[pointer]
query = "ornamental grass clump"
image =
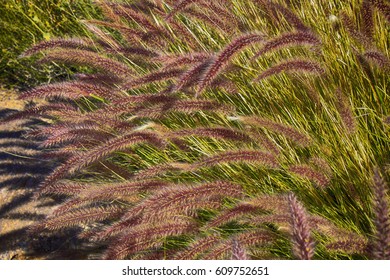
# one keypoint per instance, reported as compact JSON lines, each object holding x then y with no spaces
{"x":186,"y":139}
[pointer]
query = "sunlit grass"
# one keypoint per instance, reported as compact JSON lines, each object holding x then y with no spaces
{"x":25,"y":23}
{"x":341,"y":111}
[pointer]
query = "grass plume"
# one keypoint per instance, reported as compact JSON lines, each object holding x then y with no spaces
{"x":303,"y":246}
{"x":223,"y":57}
{"x":292,"y":65}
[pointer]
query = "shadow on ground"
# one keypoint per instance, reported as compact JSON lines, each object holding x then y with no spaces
{"x":22,"y":169}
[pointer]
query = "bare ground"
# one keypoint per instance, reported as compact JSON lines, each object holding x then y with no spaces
{"x":21,"y":170}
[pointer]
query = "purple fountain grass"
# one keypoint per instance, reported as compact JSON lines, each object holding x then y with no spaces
{"x":170,"y":61}
{"x":283,"y":221}
{"x":197,"y":247}
{"x":39,"y":111}
{"x":158,"y":4}
{"x":157,"y":76}
{"x":132,"y":15}
{"x":383,"y":7}
{"x":108,"y":80}
{"x":159,"y":254}
{"x":73,"y":43}
{"x":267,"y":9}
{"x":313,"y":95}
{"x":181,"y":58}
{"x":80,"y":160}
{"x":57,"y":174}
{"x":288,"y":39}
{"x":352,"y":30}
{"x":223,"y":57}
{"x":378,"y":58}
{"x":141,"y":52}
{"x":117,"y":144}
{"x":182,"y":198}
{"x":135,"y":249}
{"x":183,"y":209}
{"x":185,"y":106}
{"x":66,"y":188}
{"x":114,"y":229}
{"x":321,"y":165}
{"x":381,"y":241}
{"x":236,"y":212}
{"x":303,"y":244}
{"x":350,"y":244}
{"x":213,"y":132}
{"x":181,"y":32}
{"x":238,"y":252}
{"x":76,"y":134}
{"x":84,"y":128}
{"x":133,"y":119}
{"x":289,"y":132}
{"x":130,"y":241}
{"x":108,"y":11}
{"x":157,"y":170}
{"x":280,"y":220}
{"x":363,"y":63}
{"x":68,"y":206}
{"x":193,"y":75}
{"x":102,"y":117}
{"x":345,"y":111}
{"x":103,"y":36}
{"x":98,"y":192}
{"x":368,"y":19}
{"x":90,"y":59}
{"x":264,"y":141}
{"x":81,"y":203}
{"x":61,"y":154}
{"x":153,"y":98}
{"x":272,"y":203}
{"x":130,"y":35}
{"x":88,"y":215}
{"x":146,"y":6}
{"x":185,"y":196}
{"x":308,"y":172}
{"x":252,"y":156}
{"x":212,"y":21}
{"x":293,"y":65}
{"x":246,"y":239}
{"x":115,"y":168}
{"x":179,"y":6}
{"x":222,"y":10}
{"x":224,"y":84}
{"x":289,"y":15}
{"x":72,"y":90}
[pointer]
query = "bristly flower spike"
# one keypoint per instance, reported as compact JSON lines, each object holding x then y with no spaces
{"x":308,"y":172}
{"x":381,"y":242}
{"x":296,"y":65}
{"x":288,"y":39}
{"x":303,"y":244}
{"x":225,"y":55}
{"x":345,"y":112}
{"x":238,"y":252}
{"x":72,"y":43}
{"x":180,"y":5}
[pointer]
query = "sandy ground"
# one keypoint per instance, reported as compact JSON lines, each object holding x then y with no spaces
{"x":18,"y":178}
{"x":21,"y":171}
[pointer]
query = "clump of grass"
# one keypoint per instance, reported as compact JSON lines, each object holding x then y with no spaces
{"x":280,"y":163}
{"x":26,"y":23}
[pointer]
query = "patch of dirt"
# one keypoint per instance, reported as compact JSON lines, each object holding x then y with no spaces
{"x":9,"y":100}
{"x":22,"y":169}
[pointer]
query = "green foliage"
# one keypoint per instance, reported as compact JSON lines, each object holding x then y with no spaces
{"x":25,"y":23}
